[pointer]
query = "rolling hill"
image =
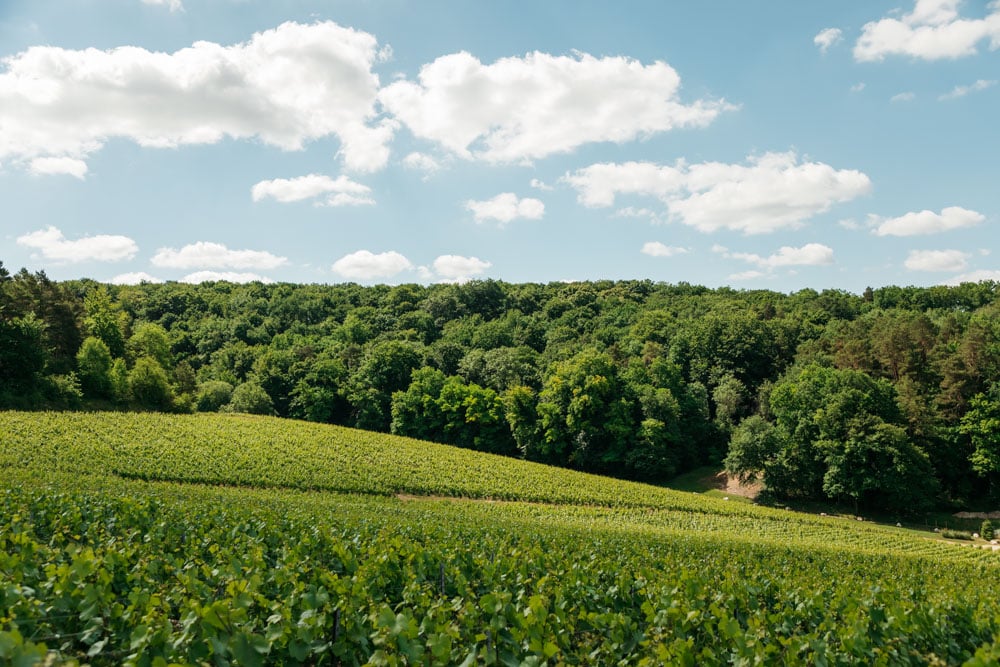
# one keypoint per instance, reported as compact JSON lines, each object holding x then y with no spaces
{"x":228,"y":539}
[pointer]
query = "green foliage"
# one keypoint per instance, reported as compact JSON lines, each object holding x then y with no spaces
{"x":22,"y":352}
{"x":148,"y":385}
{"x":213,"y":395}
{"x":386,"y":369}
{"x":150,"y":340}
{"x":982,"y":425}
{"x":615,"y":573}
{"x":956,"y":534}
{"x":756,"y":446}
{"x":250,"y":398}
{"x":837,"y":435}
{"x":105,"y":320}
{"x":94,"y":364}
{"x":62,"y":391}
{"x":685,"y":364}
{"x":586,"y":413}
{"x":986,"y":530}
{"x":450,"y":411}
{"x":118,"y":378}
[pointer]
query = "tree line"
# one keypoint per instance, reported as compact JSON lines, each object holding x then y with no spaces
{"x":888,"y":399}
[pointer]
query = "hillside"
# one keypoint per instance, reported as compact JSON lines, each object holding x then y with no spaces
{"x":884,"y":401}
{"x":258,"y":540}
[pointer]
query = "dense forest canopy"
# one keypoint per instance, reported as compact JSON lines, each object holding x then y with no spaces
{"x":886,"y":400}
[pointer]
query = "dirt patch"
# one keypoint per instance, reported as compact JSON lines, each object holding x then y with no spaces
{"x":731,"y":485}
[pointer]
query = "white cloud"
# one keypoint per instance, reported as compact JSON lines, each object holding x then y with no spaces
{"x":746,"y":275}
{"x":811,"y":254}
{"x":285,"y":86}
{"x":519,"y":109}
{"x":936,"y":260}
{"x":925,"y":222}
{"x":657,"y":249}
{"x":421,"y":162}
{"x":541,"y":185}
{"x":46,"y":166}
{"x":902,"y":97}
{"x":774,"y":191}
{"x":962,"y":91}
{"x":101,"y":248}
{"x":227,"y":276}
{"x":340,"y":192}
{"x":858,"y":87}
{"x":134,"y":278}
{"x":506,"y":207}
{"x":172,"y":5}
{"x":365,"y":265}
{"x":635,"y":212}
{"x":827,"y":38}
{"x":975,"y":277}
{"x":455,"y":268}
{"x":204,"y":254}
{"x":934,"y":30}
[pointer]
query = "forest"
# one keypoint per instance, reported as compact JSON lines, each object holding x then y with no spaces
{"x":886,"y":401}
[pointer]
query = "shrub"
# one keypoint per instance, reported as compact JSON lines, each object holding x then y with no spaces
{"x":987,"y":530}
{"x":251,"y":398}
{"x":148,"y":384}
{"x":956,"y":534}
{"x":214,"y":394}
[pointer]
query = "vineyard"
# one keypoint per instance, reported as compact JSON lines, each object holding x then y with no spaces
{"x":149,"y":539}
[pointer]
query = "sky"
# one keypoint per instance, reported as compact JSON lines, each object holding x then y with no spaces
{"x":780,"y":145}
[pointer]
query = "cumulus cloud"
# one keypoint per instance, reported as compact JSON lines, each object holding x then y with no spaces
{"x":902,"y":97}
{"x":934,"y":30}
{"x":540,"y":185}
{"x":47,"y":166}
{"x":172,"y":5}
{"x":827,"y":38}
{"x":975,"y":277}
{"x":773,"y":191}
{"x":52,"y":245}
{"x":858,"y":87}
{"x":421,"y":162}
{"x":285,"y":87}
{"x":811,"y":254}
{"x":962,"y":91}
{"x":925,"y":222}
{"x":657,"y":249}
{"x":506,"y":207}
{"x":458,"y":269}
{"x":519,"y":109}
{"x":937,"y":260}
{"x":207,"y":255}
{"x":366,"y":265}
{"x":227,"y":276}
{"x":341,"y":191}
{"x":134,"y":278}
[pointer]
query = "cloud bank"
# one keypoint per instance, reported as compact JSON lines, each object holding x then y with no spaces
{"x":771,"y":192}
{"x":285,"y":87}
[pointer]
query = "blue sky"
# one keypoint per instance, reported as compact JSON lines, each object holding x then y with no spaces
{"x":777,"y":145}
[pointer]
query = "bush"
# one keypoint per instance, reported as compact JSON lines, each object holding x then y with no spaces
{"x":956,"y":534}
{"x":987,"y":530}
{"x":148,"y":384}
{"x":214,"y":394}
{"x":63,"y":391}
{"x":251,"y":398}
